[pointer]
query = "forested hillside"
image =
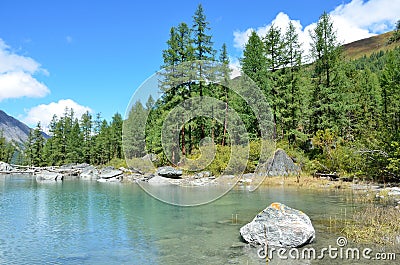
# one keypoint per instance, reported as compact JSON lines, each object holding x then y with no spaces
{"x":335,"y":114}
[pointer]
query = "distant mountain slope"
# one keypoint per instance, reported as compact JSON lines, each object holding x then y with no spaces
{"x":368,"y":46}
{"x":13,"y":129}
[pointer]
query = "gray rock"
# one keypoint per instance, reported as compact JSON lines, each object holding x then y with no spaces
{"x":113,"y":179}
{"x":395,"y":191}
{"x":280,"y":165}
{"x":202,"y":174}
{"x":89,"y":173}
{"x":145,"y":177}
{"x":279,"y":225}
{"x":135,"y":170}
{"x":169,"y":172}
{"x":5,"y":167}
{"x":158,"y":180}
{"x":110,"y":172}
{"x":150,"y":157}
{"x":49,"y":176}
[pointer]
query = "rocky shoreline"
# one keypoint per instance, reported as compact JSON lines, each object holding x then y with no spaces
{"x":163,"y":175}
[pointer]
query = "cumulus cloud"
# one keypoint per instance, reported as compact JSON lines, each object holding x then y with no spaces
{"x":17,"y":75}
{"x":353,"y":21}
{"x":234,"y":65}
{"x":281,"y":21}
{"x":375,"y":16}
{"x":44,"y":113}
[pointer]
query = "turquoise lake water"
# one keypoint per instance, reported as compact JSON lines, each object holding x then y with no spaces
{"x":86,"y":222}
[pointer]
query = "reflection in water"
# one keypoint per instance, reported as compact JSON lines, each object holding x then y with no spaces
{"x":78,"y":222}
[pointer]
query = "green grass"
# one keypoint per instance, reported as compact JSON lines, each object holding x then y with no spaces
{"x":374,"y":224}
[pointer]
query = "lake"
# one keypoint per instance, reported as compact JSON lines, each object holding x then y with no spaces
{"x":86,"y":222}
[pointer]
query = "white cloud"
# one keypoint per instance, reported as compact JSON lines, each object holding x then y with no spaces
{"x":234,"y":65}
{"x":282,"y":21}
{"x":353,"y":21}
{"x":17,"y":75}
{"x":44,"y":113}
{"x":376,"y":16}
{"x":21,"y":84}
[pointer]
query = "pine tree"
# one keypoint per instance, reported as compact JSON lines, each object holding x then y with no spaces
{"x":7,"y":149}
{"x":203,"y":45}
{"x":74,"y":144}
{"x":225,"y":73}
{"x":254,"y":62}
{"x":293,"y":96}
{"x":134,"y":135}
{"x":274,"y":52}
{"x":116,"y":136}
{"x":390,"y":83}
{"x":34,"y":147}
{"x":86,"y":129}
{"x":203,"y":53}
{"x":254,"y":66}
{"x":326,"y":101}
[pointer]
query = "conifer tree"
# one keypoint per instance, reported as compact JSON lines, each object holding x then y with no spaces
{"x":327,"y":111}
{"x":7,"y":149}
{"x":274,"y":53}
{"x":293,"y":97}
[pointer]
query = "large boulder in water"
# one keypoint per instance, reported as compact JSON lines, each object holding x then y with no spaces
{"x":169,"y":172}
{"x":280,"y":165}
{"x":279,"y":225}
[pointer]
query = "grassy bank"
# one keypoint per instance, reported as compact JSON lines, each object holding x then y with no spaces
{"x":305,"y":182}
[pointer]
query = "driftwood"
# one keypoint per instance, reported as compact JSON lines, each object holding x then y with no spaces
{"x":330,"y":176}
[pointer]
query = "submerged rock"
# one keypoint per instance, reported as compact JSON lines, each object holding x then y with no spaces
{"x":279,"y":225}
{"x":169,"y":172}
{"x":49,"y":176}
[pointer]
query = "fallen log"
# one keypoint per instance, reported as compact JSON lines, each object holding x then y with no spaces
{"x":329,"y":176}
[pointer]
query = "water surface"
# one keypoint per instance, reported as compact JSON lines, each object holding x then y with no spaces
{"x":86,"y":222}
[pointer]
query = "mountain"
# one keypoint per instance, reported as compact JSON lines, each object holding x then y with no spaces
{"x":13,"y":129}
{"x":357,"y":49}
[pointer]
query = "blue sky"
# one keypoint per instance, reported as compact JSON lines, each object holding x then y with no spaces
{"x":92,"y":55}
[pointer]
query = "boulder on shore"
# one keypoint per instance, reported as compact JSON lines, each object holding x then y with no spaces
{"x":159,"y":180}
{"x":280,"y":165}
{"x":49,"y":176}
{"x":279,"y":225}
{"x":89,"y":172}
{"x":5,"y":167}
{"x":169,"y":172}
{"x":110,"y":172}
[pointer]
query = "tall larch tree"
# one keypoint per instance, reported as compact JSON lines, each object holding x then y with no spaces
{"x":294,"y":98}
{"x":326,"y":100}
{"x":274,"y":52}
